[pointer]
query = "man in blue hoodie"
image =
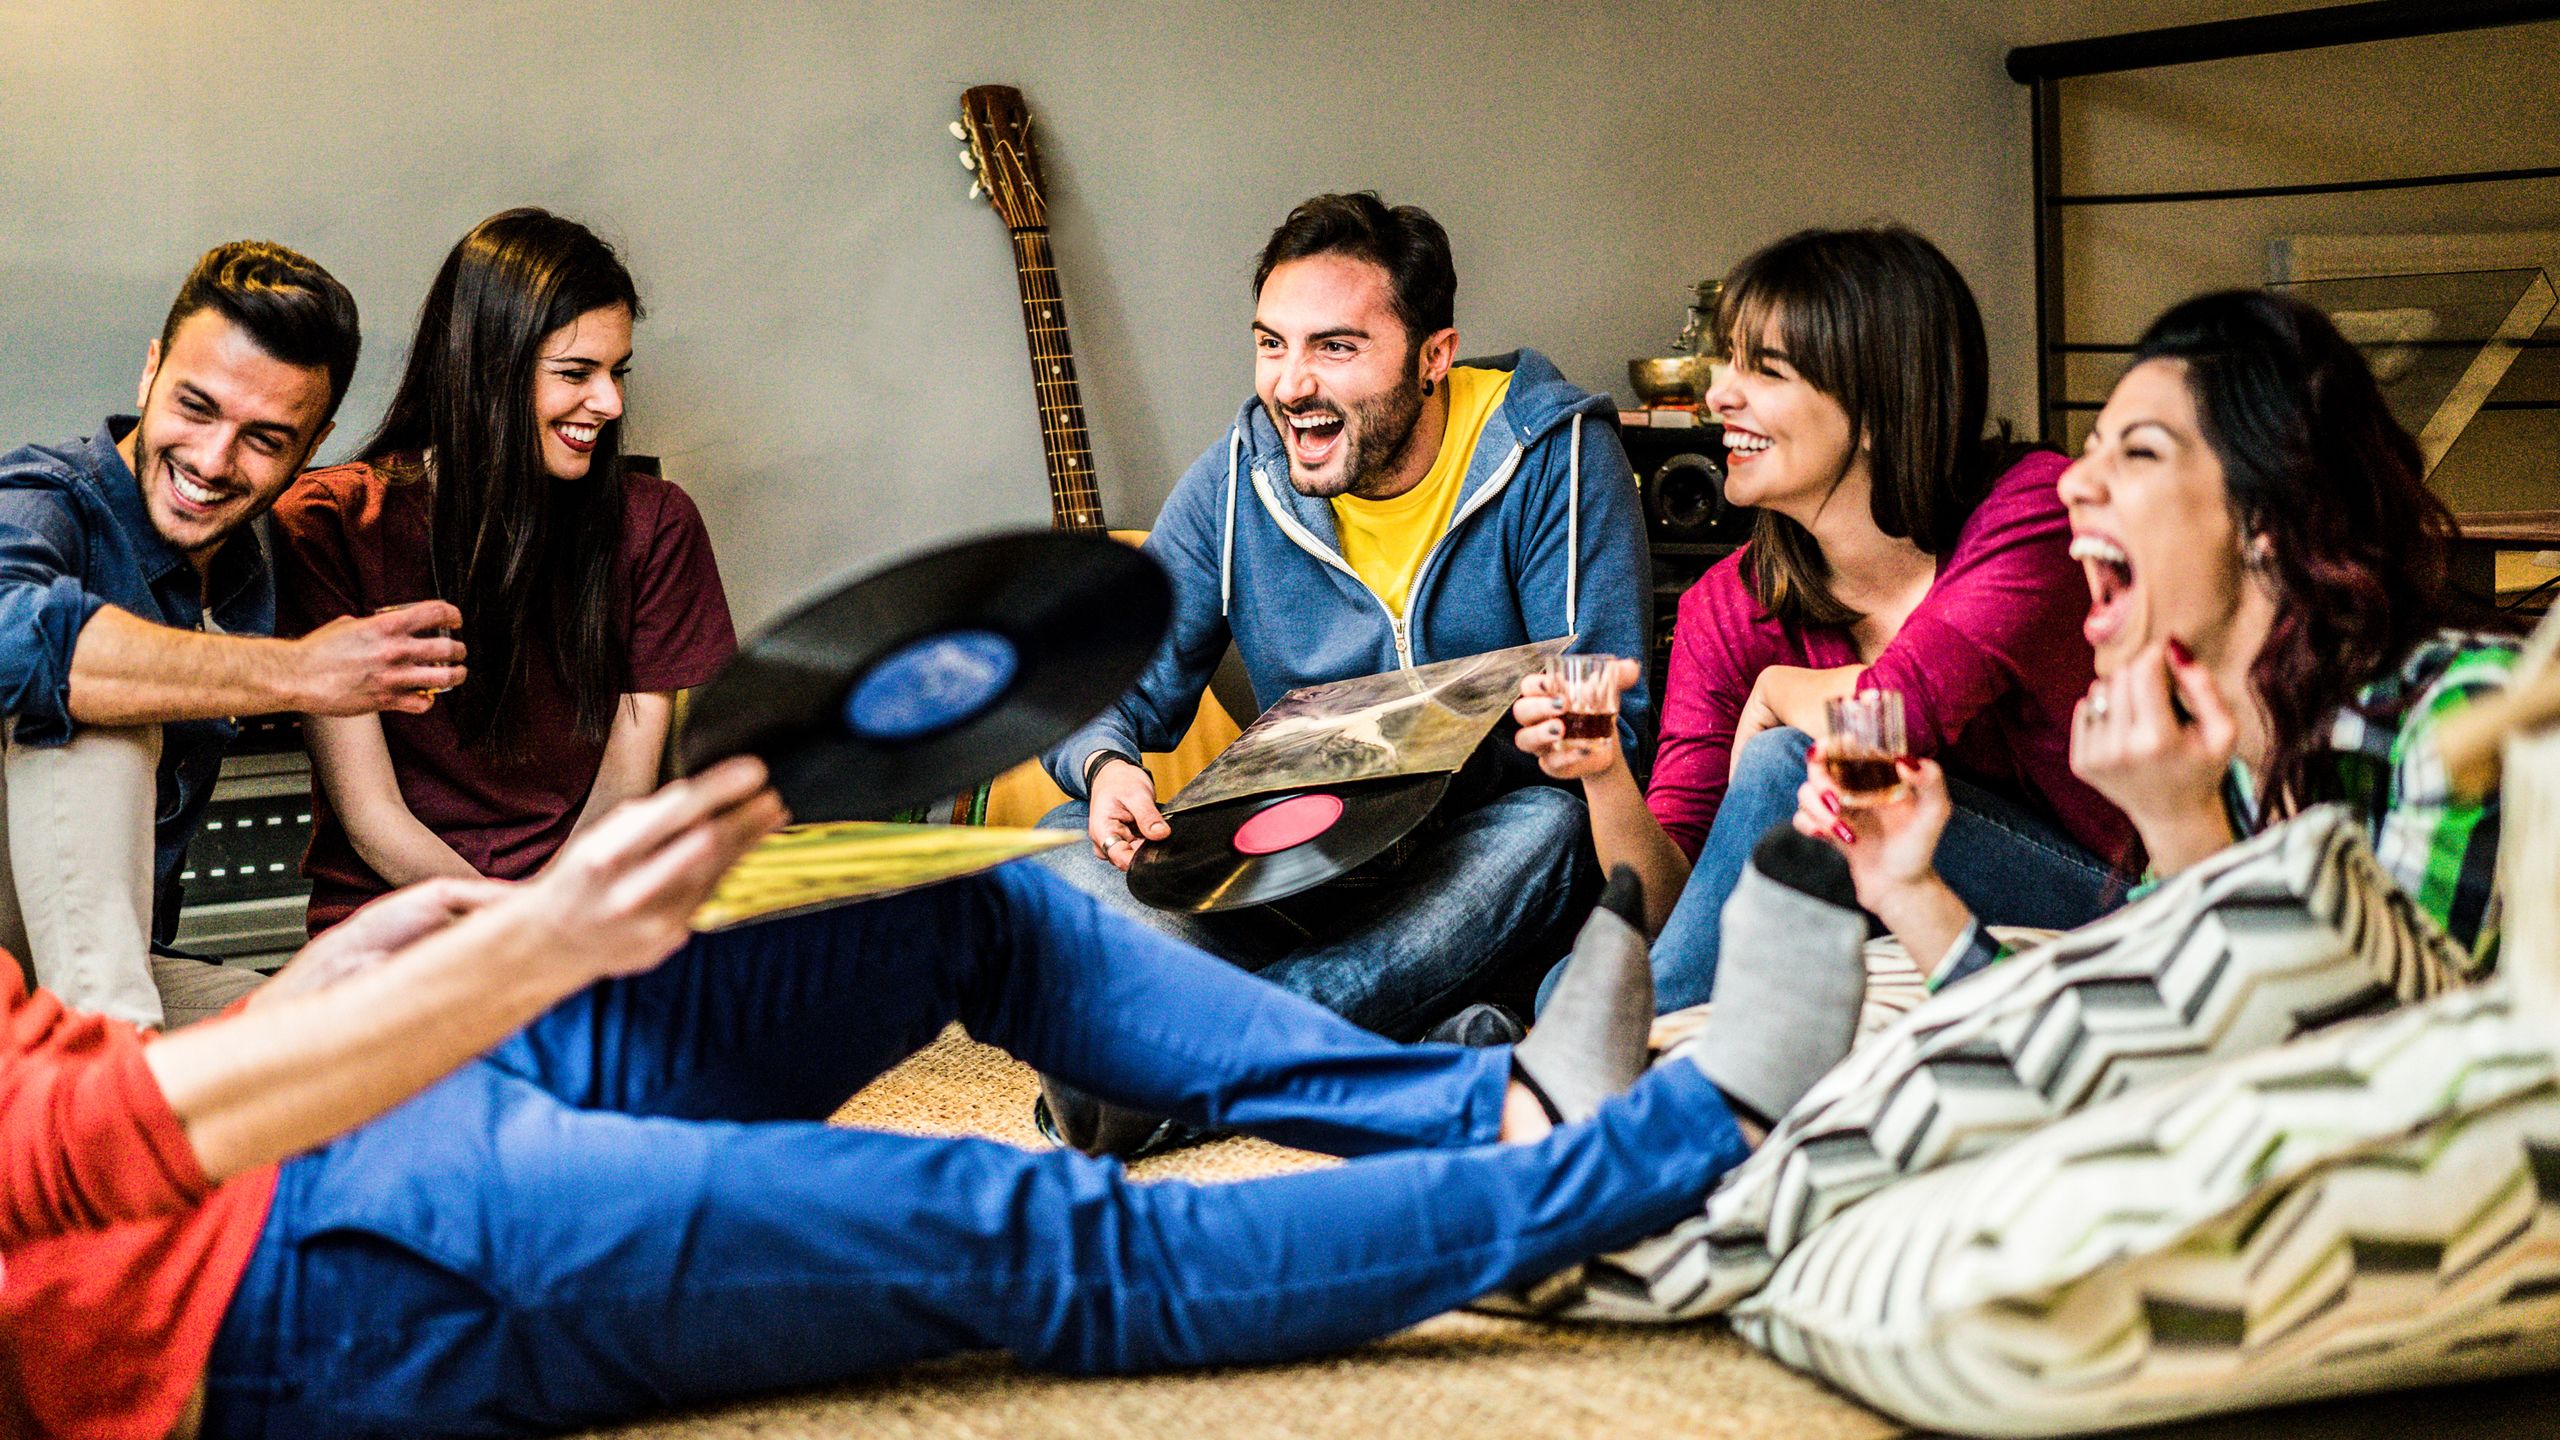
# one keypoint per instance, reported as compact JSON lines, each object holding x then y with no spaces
{"x":1378,"y":505}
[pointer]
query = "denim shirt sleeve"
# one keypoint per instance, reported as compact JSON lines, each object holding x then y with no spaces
{"x":43,"y":607}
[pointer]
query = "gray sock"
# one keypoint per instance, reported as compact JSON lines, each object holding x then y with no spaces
{"x":1589,"y":1042}
{"x":1790,"y":976}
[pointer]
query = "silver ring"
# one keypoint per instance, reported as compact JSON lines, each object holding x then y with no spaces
{"x":2098,"y":705}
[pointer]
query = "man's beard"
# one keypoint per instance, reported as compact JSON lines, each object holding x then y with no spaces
{"x":1377,"y":433}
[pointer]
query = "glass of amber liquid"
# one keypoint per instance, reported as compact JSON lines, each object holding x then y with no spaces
{"x":1866,"y":739}
{"x":1587,"y":687}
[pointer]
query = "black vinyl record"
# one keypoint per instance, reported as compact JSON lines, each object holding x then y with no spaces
{"x":934,"y":674}
{"x":1261,"y":848}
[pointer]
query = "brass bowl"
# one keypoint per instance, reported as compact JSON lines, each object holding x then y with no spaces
{"x":1666,"y":380}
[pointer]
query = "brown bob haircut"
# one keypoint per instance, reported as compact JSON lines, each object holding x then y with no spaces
{"x":1878,"y":319}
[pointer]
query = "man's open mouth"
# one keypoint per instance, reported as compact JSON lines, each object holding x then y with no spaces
{"x":1313,"y":436}
{"x":2111,"y":590}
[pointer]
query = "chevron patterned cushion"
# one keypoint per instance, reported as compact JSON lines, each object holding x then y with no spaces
{"x":2373,"y":1207}
{"x":2288,"y":932}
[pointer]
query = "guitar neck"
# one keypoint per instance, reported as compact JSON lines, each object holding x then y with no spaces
{"x":1075,"y":500}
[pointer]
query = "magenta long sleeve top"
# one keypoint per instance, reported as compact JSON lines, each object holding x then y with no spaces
{"x":1989,"y":667}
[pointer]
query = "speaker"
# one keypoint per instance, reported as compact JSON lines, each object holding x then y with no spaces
{"x":1680,"y":474}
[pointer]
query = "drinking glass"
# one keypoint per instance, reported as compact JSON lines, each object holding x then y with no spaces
{"x":1866,"y":739}
{"x":1587,"y":687}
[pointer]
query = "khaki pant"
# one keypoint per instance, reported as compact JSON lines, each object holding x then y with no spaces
{"x":76,"y":880}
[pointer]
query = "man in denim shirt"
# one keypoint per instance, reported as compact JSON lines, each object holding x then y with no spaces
{"x":136,"y":604}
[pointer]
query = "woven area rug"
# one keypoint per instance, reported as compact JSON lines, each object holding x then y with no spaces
{"x":1459,"y":1375}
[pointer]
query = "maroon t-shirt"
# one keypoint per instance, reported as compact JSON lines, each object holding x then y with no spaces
{"x":353,"y":543}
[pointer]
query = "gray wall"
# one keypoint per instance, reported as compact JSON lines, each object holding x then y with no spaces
{"x":833,"y":363}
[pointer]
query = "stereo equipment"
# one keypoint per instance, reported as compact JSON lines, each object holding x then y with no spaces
{"x":1679,"y":469}
{"x":243,"y":895}
{"x":1680,"y":473}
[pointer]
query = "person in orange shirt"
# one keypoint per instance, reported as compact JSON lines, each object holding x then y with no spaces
{"x":512,"y":1158}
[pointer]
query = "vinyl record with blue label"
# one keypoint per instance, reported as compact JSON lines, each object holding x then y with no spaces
{"x":934,"y":674}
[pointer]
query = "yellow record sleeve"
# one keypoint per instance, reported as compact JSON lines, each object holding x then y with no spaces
{"x":809,"y":867}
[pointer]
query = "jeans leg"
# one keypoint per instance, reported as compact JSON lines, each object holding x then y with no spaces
{"x":785,"y":1019}
{"x":491,"y":1261}
{"x":1494,"y":884}
{"x":1763,"y":793}
{"x":2014,"y":867}
{"x":2011,"y":866}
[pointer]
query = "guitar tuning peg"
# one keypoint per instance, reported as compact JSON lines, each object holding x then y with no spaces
{"x":976,"y":190}
{"x":959,"y":131}
{"x":968,"y":161}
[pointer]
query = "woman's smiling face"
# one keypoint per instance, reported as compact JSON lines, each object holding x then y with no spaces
{"x":1786,"y":443}
{"x":577,"y":387}
{"x":2151,"y":523}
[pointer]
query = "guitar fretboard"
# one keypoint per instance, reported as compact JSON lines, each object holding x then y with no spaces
{"x":1075,"y":500}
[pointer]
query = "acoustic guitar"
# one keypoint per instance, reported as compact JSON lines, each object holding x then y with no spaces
{"x":995,"y":127}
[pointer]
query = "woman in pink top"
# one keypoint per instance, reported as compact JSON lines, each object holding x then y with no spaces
{"x":1893,"y":551}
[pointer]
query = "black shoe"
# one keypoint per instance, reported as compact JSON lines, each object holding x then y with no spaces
{"x":1479,"y":1026}
{"x":1068,"y":1117}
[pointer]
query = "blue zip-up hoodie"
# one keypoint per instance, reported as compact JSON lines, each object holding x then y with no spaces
{"x":1547,"y":539}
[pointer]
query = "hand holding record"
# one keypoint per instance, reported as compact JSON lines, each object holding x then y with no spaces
{"x":1121,"y":812}
{"x":935,"y":673}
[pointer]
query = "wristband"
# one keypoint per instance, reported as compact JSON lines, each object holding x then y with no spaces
{"x":1093,"y":762}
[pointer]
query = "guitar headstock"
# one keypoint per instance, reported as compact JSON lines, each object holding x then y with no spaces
{"x":996,"y":129}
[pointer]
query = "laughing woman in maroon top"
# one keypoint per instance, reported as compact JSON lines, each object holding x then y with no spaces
{"x":588,"y":592}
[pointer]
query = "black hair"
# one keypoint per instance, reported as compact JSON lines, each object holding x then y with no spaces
{"x":295,"y":310}
{"x":1402,"y":240}
{"x":532,"y":562}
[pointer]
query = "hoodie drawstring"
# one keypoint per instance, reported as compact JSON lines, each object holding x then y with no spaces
{"x":1227,"y":553}
{"x":1572,"y":525}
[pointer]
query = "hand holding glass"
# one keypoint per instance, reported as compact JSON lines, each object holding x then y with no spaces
{"x":440,"y":632}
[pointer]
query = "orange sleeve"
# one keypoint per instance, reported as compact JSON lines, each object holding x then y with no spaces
{"x":86,"y":1138}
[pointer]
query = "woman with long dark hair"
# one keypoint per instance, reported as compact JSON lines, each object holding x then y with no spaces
{"x":2274,"y":626}
{"x":588,"y":592}
{"x":1896,"y":548}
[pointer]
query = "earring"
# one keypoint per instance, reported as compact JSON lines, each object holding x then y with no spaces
{"x":1426,"y":387}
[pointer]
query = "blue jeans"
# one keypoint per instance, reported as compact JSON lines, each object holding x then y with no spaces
{"x":1399,"y":951}
{"x":2011,"y":866}
{"x":633,"y":1206}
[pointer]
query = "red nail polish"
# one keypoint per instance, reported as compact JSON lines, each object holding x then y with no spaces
{"x":1831,"y":803}
{"x":1906,"y":765}
{"x":2178,"y":653}
{"x":1847,"y":835}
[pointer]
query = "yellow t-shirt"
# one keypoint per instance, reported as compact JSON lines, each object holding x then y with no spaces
{"x":1385,"y":540}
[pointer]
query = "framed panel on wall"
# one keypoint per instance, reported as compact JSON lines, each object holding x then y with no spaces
{"x":2396,"y":163}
